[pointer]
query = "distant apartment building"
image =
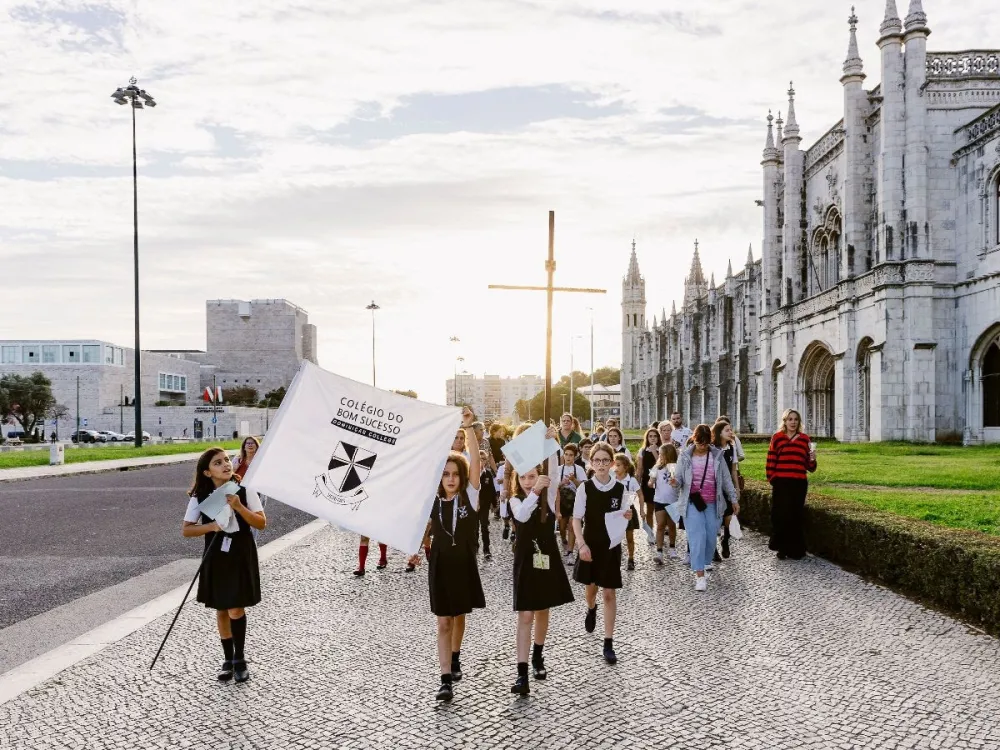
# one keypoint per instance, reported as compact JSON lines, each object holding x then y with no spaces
{"x":492,"y":396}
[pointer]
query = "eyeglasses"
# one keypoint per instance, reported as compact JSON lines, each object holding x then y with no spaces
{"x":601,"y":461}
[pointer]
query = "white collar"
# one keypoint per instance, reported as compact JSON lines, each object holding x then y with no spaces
{"x":604,"y":487}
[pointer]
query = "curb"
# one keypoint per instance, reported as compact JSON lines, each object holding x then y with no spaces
{"x":32,"y":673}
{"x":23,"y":473}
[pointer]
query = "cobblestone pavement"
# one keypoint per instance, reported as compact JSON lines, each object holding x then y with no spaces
{"x":774,"y":655}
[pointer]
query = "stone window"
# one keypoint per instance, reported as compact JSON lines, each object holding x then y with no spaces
{"x":991,"y":386}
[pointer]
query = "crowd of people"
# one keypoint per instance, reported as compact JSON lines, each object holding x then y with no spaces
{"x":556,"y":516}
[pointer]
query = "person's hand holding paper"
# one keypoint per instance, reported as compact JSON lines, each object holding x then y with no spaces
{"x":530,"y":448}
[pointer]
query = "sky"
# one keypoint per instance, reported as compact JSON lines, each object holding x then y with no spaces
{"x":404,"y":152}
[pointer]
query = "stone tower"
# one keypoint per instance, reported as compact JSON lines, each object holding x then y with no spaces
{"x":633,"y":324}
{"x":893,"y":138}
{"x":793,"y":259}
{"x":852,"y":260}
{"x":694,"y":285}
{"x":771,"y":253}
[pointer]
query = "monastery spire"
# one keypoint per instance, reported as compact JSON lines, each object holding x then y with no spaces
{"x":750,"y":255}
{"x":891,"y":23}
{"x":729,"y":270}
{"x":633,"y":277}
{"x":697,"y":275}
{"x":791,"y":127}
{"x":770,"y":152}
{"x":916,"y":19}
{"x":853,"y":65}
{"x":780,"y":123}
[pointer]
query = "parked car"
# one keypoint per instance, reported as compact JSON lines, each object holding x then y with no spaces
{"x":86,"y":436}
{"x":110,"y":436}
{"x":130,"y":436}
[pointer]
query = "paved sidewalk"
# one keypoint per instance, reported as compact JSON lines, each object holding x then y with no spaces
{"x":774,"y":655}
{"x":94,"y":467}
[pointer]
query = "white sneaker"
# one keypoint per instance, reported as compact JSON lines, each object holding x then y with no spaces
{"x":700,"y":583}
{"x":710,"y":566}
{"x":672,"y":553}
{"x":658,"y":558}
{"x":687,"y":558}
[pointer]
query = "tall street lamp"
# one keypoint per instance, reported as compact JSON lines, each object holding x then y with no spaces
{"x":137,"y":99}
{"x":572,"y":386}
{"x":591,"y":368}
{"x":457,"y":360}
{"x":373,"y":307}
{"x":454,"y":382}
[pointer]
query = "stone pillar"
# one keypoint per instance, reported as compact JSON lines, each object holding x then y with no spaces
{"x":792,"y":235}
{"x":841,"y":398}
{"x":771,"y":247}
{"x":893,"y":140}
{"x":916,"y":243}
{"x":854,"y":242}
{"x":875,"y":428}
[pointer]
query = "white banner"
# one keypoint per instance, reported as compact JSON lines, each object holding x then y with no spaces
{"x":364,"y":459}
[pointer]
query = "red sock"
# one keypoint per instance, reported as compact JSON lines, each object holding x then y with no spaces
{"x":382,"y":549}
{"x":362,"y":556}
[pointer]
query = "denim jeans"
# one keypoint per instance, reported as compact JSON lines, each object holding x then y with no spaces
{"x":702,"y":528}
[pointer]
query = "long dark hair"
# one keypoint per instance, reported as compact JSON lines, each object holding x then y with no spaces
{"x":204,"y":486}
{"x":543,"y":496}
{"x":702,"y":435}
{"x":463,"y":477}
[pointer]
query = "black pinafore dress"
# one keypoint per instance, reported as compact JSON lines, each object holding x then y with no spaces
{"x":535,"y":588}
{"x":605,"y":569}
{"x":230,"y":580}
{"x":453,"y":573}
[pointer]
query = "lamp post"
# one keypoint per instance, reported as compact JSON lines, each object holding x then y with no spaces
{"x":137,"y":99}
{"x":457,"y":360}
{"x":373,"y":307}
{"x":591,"y":368}
{"x":572,"y":387}
{"x":454,"y":380}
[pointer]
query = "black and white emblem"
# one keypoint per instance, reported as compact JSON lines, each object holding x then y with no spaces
{"x":342,"y":482}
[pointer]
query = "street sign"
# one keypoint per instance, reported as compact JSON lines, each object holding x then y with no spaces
{"x":84,"y":421}
{"x":215,"y":420}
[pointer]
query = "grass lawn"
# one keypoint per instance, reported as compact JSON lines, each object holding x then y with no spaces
{"x":947,"y":485}
{"x":14,"y":459}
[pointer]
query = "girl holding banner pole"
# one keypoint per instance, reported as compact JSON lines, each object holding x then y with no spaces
{"x":230,"y":576}
{"x":455,"y":588}
{"x":540,"y":580}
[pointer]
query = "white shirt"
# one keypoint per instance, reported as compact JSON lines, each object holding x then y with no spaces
{"x":680,"y":435}
{"x":664,"y":493}
{"x":522,"y":509}
{"x":580,"y":504}
{"x":193,"y":516}
{"x":576,"y":471}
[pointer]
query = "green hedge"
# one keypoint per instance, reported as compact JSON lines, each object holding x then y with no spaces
{"x":954,"y":570}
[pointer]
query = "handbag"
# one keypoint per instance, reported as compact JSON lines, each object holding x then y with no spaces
{"x":695,"y":497}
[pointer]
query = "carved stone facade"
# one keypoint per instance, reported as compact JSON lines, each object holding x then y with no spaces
{"x":875,"y":307}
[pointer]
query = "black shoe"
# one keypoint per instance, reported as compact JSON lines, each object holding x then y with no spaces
{"x":513,"y":537}
{"x":609,"y":656}
{"x":410,"y":568}
{"x":520,"y":686}
{"x":382,"y":566}
{"x":506,"y":532}
{"x":539,"y":669}
{"x":444,"y":693}
{"x":240,"y":668}
{"x":456,"y":671}
{"x":772,"y":545}
{"x":359,"y":572}
{"x":487,"y":555}
{"x":782,"y":556}
{"x":631,"y":565}
{"x":225,"y":672}
{"x":725,"y":548}
{"x":716,"y":557}
{"x":590,"y":621}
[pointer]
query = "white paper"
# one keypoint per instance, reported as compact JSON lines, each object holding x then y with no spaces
{"x":530,"y":448}
{"x":734,"y":528}
{"x":364,"y":459}
{"x":616,"y":525}
{"x":216,"y":504}
{"x":227,"y":520}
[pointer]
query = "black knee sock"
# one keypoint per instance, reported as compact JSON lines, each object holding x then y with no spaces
{"x":446,"y":679}
{"x":607,"y":642}
{"x":536,"y":651}
{"x":239,"y":628}
{"x":227,"y":648}
{"x":522,"y":669}
{"x":455,"y":657}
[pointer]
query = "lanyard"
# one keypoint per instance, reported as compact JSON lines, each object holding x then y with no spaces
{"x":454,"y":518}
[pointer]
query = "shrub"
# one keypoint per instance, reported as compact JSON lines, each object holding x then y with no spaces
{"x":954,"y":570}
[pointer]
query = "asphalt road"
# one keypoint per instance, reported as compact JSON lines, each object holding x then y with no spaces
{"x":63,"y":538}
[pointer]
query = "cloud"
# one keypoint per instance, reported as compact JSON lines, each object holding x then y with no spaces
{"x":75,"y":25}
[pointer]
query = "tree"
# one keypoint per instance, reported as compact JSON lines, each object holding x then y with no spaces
{"x":411,"y":394}
{"x":608,"y":376}
{"x":241,"y":395}
{"x":580,"y":379}
{"x":58,"y":412}
{"x":28,"y":399}
{"x":534,"y":408}
{"x":273,"y":399}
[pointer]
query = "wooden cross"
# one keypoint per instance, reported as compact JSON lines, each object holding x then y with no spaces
{"x":549,"y":289}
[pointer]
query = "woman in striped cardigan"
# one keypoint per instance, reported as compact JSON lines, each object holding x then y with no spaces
{"x":789,"y":457}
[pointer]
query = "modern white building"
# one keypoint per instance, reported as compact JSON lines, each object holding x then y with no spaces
{"x":491,"y":396}
{"x":875,"y":307}
{"x":606,"y":399}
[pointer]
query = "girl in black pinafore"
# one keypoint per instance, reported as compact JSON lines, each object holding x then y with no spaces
{"x":540,"y":580}
{"x":597,"y":566}
{"x":455,"y":588}
{"x":230,"y":577}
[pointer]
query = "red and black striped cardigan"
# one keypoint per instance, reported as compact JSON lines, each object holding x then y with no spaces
{"x":788,"y":458}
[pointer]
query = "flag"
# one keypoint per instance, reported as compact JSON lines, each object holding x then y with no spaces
{"x":364,"y":459}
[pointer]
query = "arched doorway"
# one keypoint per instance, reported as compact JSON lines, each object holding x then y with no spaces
{"x":991,"y":386}
{"x":816,"y":384}
{"x":864,"y":376}
{"x":982,"y":415}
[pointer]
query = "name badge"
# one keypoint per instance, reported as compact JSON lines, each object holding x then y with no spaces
{"x":540,"y":561}
{"x":226,"y":543}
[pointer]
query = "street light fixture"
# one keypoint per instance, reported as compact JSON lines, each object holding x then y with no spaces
{"x":373,"y":307}
{"x":454,"y":382}
{"x":591,"y":309}
{"x":457,"y":360}
{"x":138,"y":99}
